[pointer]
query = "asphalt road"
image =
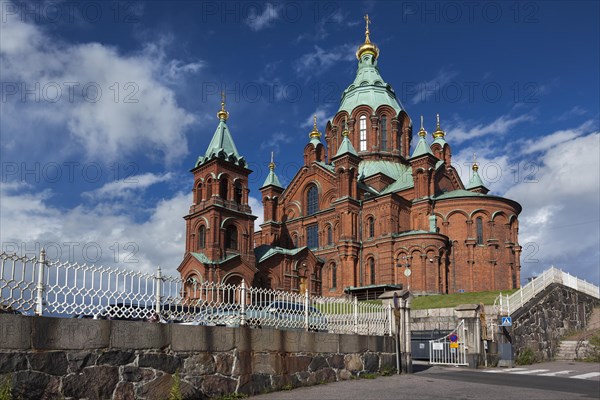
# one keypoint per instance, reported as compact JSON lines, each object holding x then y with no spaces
{"x":450,"y":383}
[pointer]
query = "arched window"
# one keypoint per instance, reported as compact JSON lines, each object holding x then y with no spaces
{"x":202,"y":237}
{"x":383,"y":133}
{"x":371,"y":227}
{"x":479,"y":227}
{"x":224,"y":188}
{"x":333,"y":276}
{"x":209,"y":185}
{"x":231,"y":237}
{"x":199,"y":197}
{"x":329,"y":235}
{"x":363,"y":133}
{"x":372,"y":270}
{"x":295,"y":241}
{"x":312,"y":200}
{"x":312,"y":236}
{"x":238,"y":193}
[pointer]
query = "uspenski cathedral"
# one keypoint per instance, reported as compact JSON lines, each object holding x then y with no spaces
{"x":369,"y":210}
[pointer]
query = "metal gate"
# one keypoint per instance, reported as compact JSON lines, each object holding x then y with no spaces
{"x":450,"y":349}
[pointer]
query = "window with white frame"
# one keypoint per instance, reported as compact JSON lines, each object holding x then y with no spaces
{"x":363,"y":133}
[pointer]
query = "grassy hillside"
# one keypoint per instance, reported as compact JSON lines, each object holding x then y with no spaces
{"x":454,"y":299}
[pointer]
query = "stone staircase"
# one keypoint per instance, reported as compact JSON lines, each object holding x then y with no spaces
{"x":577,"y":346}
{"x":568,"y":350}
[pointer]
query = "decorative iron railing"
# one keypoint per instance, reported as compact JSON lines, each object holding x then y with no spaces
{"x":42,"y":287}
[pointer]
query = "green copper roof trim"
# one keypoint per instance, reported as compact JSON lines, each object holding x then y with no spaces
{"x":272,"y":180}
{"x":458,"y":193}
{"x":222,"y":146}
{"x":329,"y":167}
{"x":368,"y":88}
{"x":346,"y":147}
{"x":440,"y":141}
{"x":265,"y":251}
{"x":409,"y":233}
{"x":422,"y":148}
{"x":402,"y":174}
{"x":475,"y":181}
{"x":205,"y":260}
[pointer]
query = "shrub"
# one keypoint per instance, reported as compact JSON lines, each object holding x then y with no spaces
{"x":175,"y":392}
{"x":526,"y":357}
{"x":6,"y":389}
{"x":593,"y":354}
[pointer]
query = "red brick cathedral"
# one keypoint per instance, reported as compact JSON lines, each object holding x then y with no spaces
{"x":363,"y":214}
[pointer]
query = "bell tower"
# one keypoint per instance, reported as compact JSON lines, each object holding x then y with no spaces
{"x":220,"y":224}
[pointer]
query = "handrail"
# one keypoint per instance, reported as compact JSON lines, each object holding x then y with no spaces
{"x":509,"y":304}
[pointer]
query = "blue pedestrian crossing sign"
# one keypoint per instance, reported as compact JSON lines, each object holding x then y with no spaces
{"x":506,"y":321}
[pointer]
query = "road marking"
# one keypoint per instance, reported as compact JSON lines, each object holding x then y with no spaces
{"x":557,"y":373}
{"x":586,"y":376}
{"x":497,"y":371}
{"x":530,"y":371}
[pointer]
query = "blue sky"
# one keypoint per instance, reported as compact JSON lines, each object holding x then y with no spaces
{"x":106,"y":106}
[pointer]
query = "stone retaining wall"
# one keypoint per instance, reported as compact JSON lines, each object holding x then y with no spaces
{"x":545,"y":319}
{"x":52,"y":358}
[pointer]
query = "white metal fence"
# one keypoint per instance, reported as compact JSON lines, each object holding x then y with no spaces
{"x":42,"y":287}
{"x":509,"y":304}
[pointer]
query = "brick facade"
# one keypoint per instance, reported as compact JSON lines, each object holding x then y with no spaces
{"x":354,"y":218}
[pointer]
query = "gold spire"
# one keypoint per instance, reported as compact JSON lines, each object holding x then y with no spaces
{"x":367,"y":46}
{"x":422,"y":131}
{"x":315,"y":132}
{"x":345,"y":132}
{"x":439,"y":133}
{"x":475,"y":164}
{"x":222,"y":114}
{"x":272,"y":163}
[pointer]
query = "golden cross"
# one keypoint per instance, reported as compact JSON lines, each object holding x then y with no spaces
{"x":222,"y":97}
{"x":315,"y":119}
{"x":368,"y":21}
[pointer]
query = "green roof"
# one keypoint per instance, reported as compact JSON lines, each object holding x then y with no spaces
{"x":222,"y":146}
{"x":205,"y":260}
{"x":265,"y":251}
{"x":422,"y":148}
{"x":272,"y":179}
{"x":368,"y":88}
{"x":409,"y":233}
{"x":441,"y":141}
{"x":400,"y":172}
{"x":346,"y":147}
{"x":458,"y":193}
{"x":475,"y":181}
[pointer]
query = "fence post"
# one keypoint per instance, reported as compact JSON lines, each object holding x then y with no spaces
{"x":39,"y":303}
{"x":306,"y":302}
{"x":355,"y":314}
{"x":158,"y":290}
{"x":243,"y":303}
{"x":390,"y":319}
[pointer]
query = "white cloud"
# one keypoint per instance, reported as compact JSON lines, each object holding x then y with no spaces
{"x":556,"y":138}
{"x":320,"y":60}
{"x":258,"y":22}
{"x":559,"y":189}
{"x":323,"y":115}
{"x":125,"y":188}
{"x":257,"y":209}
{"x":89,"y":96}
{"x":466,"y":130}
{"x":425,"y":90}
{"x":94,"y":234}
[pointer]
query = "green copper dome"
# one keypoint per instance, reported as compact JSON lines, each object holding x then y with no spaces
{"x":368,"y":88}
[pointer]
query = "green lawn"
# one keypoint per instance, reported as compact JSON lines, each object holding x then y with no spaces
{"x":454,"y":299}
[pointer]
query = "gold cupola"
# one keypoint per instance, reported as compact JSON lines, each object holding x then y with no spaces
{"x":222,"y":114}
{"x":315,"y":134}
{"x":367,"y":47}
{"x":438,"y":133}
